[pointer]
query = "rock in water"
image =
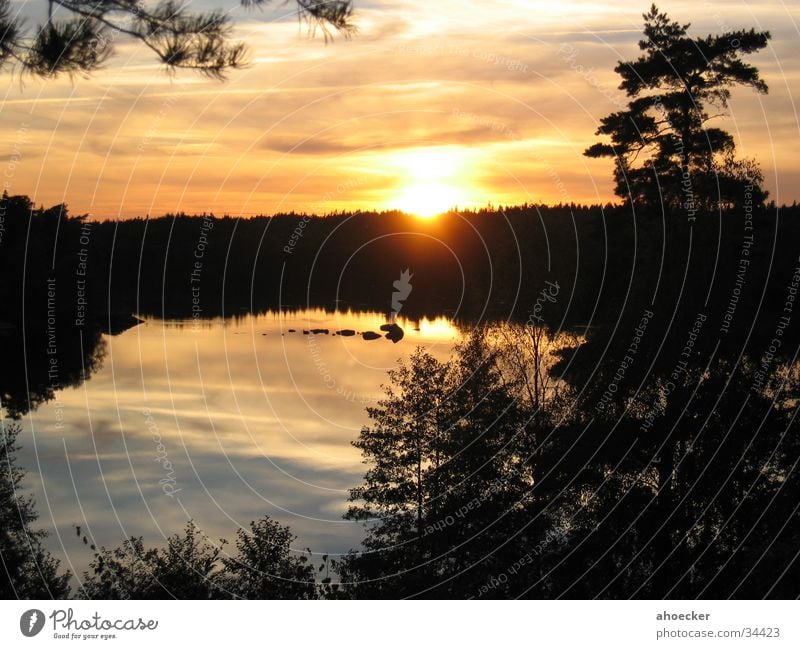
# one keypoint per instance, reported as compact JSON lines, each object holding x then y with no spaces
{"x":394,"y":333}
{"x":370,"y":335}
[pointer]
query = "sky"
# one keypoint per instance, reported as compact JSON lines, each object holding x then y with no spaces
{"x":431,"y":105}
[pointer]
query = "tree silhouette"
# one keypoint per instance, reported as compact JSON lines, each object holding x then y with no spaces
{"x":447,"y":481}
{"x":527,"y":353}
{"x":79,"y":35}
{"x":187,"y":568}
{"x":700,"y":504}
{"x":266,"y":567}
{"x":405,"y":451}
{"x":27,"y":570}
{"x":191,"y":567}
{"x":37,"y":244}
{"x":664,"y":151}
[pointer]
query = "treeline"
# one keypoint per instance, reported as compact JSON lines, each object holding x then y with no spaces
{"x":490,"y":476}
{"x":485,"y":263}
{"x":177,"y":265}
{"x":620,"y":423}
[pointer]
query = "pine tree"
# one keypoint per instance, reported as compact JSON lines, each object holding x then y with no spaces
{"x":666,"y":153}
{"x":79,"y":36}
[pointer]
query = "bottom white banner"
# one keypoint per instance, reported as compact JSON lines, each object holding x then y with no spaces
{"x":399,"y":624}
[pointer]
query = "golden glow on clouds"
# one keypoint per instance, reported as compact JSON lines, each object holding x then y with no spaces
{"x":429,"y":106}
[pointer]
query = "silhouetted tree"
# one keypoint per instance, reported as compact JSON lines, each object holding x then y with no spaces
{"x":27,"y":570}
{"x":686,"y":488}
{"x":527,"y":353}
{"x":266,"y":567}
{"x":191,"y":567}
{"x":405,"y":451}
{"x":664,"y":151}
{"x":447,"y":482}
{"x":80,"y":35}
{"x":187,"y":568}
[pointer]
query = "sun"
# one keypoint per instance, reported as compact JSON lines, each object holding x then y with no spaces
{"x":431,"y":181}
{"x":428,"y":199}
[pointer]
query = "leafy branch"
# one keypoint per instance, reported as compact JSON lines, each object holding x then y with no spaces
{"x":181,"y":39}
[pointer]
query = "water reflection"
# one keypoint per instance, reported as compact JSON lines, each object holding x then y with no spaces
{"x":38,"y":362}
{"x":220,"y":421}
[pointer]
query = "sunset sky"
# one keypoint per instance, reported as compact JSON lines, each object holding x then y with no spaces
{"x":431,"y":104}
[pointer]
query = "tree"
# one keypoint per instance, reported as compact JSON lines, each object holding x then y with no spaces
{"x":396,"y":501}
{"x":191,"y":567}
{"x":28,"y":570}
{"x":448,"y":482}
{"x":665,"y":153}
{"x":79,"y":36}
{"x":265,"y":566}
{"x":527,"y":353}
{"x":187,"y":568}
{"x":30,"y":236}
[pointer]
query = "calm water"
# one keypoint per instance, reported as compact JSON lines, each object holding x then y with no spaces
{"x":219,"y":421}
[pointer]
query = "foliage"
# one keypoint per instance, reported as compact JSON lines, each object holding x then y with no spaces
{"x":447,"y":480}
{"x":28,"y":570}
{"x":191,"y":567}
{"x":687,"y":488}
{"x":80,"y":35}
{"x":266,"y":567}
{"x":187,"y":568}
{"x":665,"y":152}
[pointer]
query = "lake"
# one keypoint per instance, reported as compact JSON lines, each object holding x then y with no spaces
{"x":220,"y":421}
